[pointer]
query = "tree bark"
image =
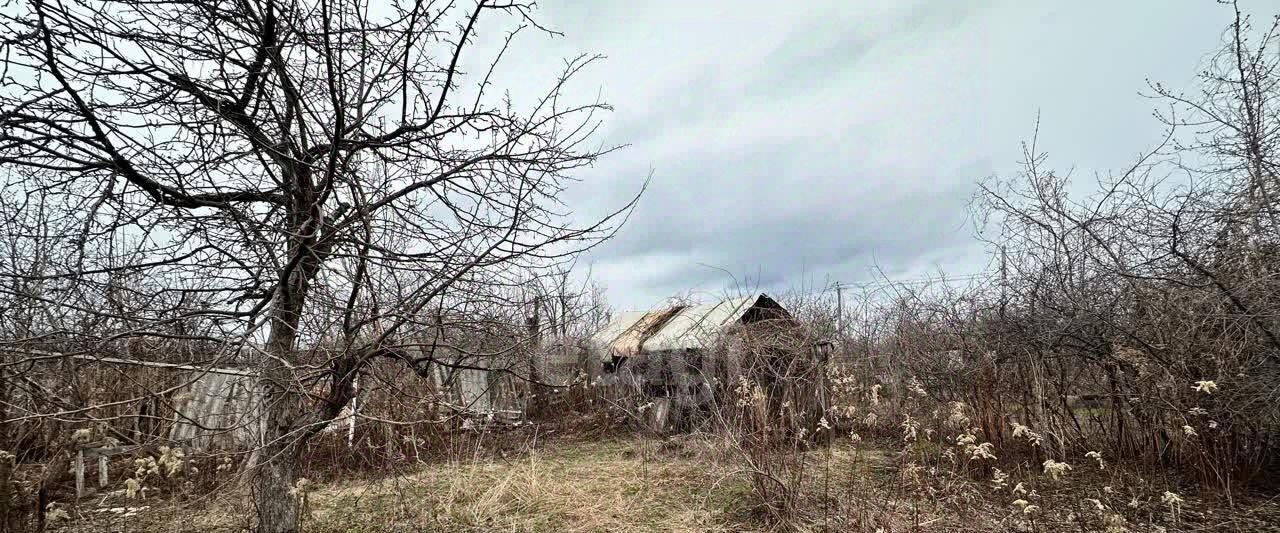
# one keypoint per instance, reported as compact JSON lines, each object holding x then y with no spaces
{"x":277,"y":509}
{"x":276,"y":461}
{"x":281,"y":437}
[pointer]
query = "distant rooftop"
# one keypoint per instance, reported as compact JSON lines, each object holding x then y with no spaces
{"x":678,"y":327}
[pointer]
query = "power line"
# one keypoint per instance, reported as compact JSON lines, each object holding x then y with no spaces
{"x":909,"y":282}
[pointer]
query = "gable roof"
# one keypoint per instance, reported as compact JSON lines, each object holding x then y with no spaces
{"x":681,"y":327}
{"x":616,"y":327}
{"x":698,"y":326}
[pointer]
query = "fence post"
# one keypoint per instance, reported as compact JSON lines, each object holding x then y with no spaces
{"x":355,"y":406}
{"x":9,"y":513}
{"x":102,"y":470}
{"x":79,"y":467}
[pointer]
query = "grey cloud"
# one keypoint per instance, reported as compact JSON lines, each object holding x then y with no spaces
{"x":753,"y":216}
{"x":816,"y":141}
{"x":809,"y":56}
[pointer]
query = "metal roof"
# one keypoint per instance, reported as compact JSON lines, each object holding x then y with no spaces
{"x":631,"y":342}
{"x":617,"y":327}
{"x":698,"y":326}
{"x":672,"y":328}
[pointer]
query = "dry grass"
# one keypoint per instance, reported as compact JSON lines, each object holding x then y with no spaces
{"x":586,"y":486}
{"x":689,"y":484}
{"x":611,"y":485}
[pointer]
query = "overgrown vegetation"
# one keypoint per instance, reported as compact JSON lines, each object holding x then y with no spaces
{"x":1121,"y":354}
{"x":1117,"y":368}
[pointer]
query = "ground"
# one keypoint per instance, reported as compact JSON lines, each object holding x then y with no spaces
{"x":680,"y":484}
{"x":583,"y":486}
{"x":609,"y":485}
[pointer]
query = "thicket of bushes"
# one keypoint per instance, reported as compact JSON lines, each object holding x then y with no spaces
{"x":1134,"y":321}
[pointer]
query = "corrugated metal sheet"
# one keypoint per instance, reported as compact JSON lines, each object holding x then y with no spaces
{"x":485,"y":387}
{"x":221,"y":410}
{"x":630,"y":342}
{"x":617,"y":327}
{"x":474,"y":389}
{"x":698,"y":327}
{"x":673,"y":328}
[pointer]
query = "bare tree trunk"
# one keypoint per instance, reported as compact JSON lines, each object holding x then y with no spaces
{"x":276,"y":468}
{"x":537,"y":392}
{"x":274,"y":475}
{"x":276,"y":465}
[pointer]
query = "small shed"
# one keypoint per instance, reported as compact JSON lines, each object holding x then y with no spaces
{"x":680,"y":360}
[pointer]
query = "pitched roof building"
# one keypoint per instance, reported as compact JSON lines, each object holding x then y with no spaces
{"x":674,"y":362}
{"x":682,"y":327}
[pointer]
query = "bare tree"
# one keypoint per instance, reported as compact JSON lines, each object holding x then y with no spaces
{"x":282,"y":173}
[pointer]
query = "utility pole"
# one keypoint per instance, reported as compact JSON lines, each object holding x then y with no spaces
{"x":840,"y":311}
{"x":1003,"y":282}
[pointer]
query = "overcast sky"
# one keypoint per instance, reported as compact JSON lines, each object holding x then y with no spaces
{"x":794,"y":142}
